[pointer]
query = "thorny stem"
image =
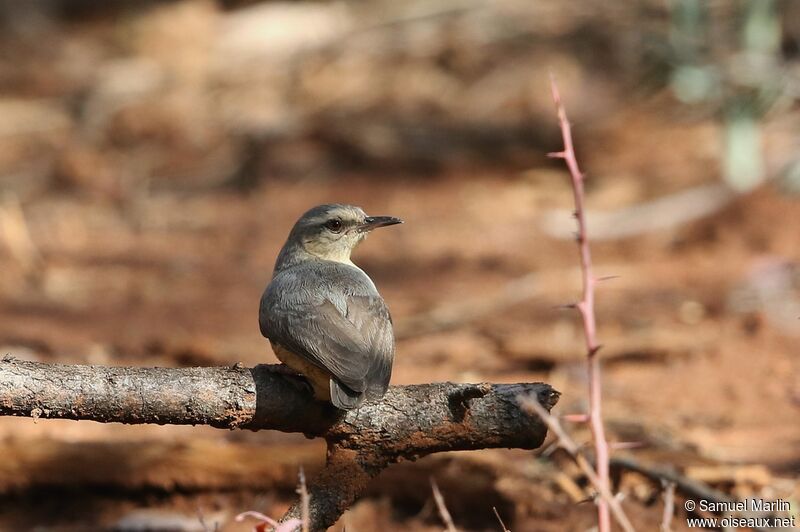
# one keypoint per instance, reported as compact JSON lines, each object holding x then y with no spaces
{"x":586,"y":309}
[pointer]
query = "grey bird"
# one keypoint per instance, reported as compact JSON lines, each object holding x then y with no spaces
{"x":323,"y":315}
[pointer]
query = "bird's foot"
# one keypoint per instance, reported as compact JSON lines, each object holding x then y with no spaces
{"x":282,"y":369}
{"x":298,"y":380}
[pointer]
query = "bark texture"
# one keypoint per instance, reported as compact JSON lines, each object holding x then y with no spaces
{"x":408,"y":423}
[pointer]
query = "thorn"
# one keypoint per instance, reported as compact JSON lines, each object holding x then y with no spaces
{"x":593,"y":351}
{"x":256,"y":515}
{"x":576,"y":418}
{"x":567,"y":306}
{"x":575,"y":214}
{"x":557,"y":154}
{"x":606,"y":278}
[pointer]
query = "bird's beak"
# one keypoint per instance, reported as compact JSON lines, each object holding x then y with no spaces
{"x":373,"y":222}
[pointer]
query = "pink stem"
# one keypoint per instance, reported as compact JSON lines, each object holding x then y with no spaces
{"x":586,"y":309}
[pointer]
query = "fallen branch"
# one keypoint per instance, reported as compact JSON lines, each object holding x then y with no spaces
{"x":408,"y":423}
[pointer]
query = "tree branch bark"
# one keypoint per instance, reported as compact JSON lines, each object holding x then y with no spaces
{"x":408,"y":423}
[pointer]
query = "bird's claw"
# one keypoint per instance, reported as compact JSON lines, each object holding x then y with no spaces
{"x":282,"y":369}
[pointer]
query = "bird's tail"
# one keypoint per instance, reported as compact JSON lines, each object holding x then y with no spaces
{"x":343,"y":397}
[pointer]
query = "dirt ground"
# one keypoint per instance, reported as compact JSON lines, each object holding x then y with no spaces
{"x":100,"y":266}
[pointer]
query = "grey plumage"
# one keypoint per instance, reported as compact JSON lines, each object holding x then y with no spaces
{"x":325,"y":310}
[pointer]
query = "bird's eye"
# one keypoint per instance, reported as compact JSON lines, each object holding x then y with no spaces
{"x":334,"y":225}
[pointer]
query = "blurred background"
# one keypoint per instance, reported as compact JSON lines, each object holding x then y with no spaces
{"x":154,"y":155}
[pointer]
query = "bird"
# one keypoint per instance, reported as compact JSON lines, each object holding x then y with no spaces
{"x":323,"y":314}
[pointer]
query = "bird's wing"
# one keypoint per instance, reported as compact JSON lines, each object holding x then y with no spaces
{"x":337,"y":321}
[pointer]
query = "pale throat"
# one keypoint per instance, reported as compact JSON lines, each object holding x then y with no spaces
{"x":340,"y":254}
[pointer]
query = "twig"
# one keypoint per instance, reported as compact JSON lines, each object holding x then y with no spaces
{"x":499,"y":519}
{"x":586,"y":308}
{"x":569,"y":445}
{"x":302,"y":490}
{"x":669,"y":506}
{"x":408,"y":423}
{"x":444,"y":513}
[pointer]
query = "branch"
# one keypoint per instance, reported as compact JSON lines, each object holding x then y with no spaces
{"x":408,"y":423}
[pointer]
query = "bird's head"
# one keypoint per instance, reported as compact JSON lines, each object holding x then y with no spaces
{"x":331,"y":232}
